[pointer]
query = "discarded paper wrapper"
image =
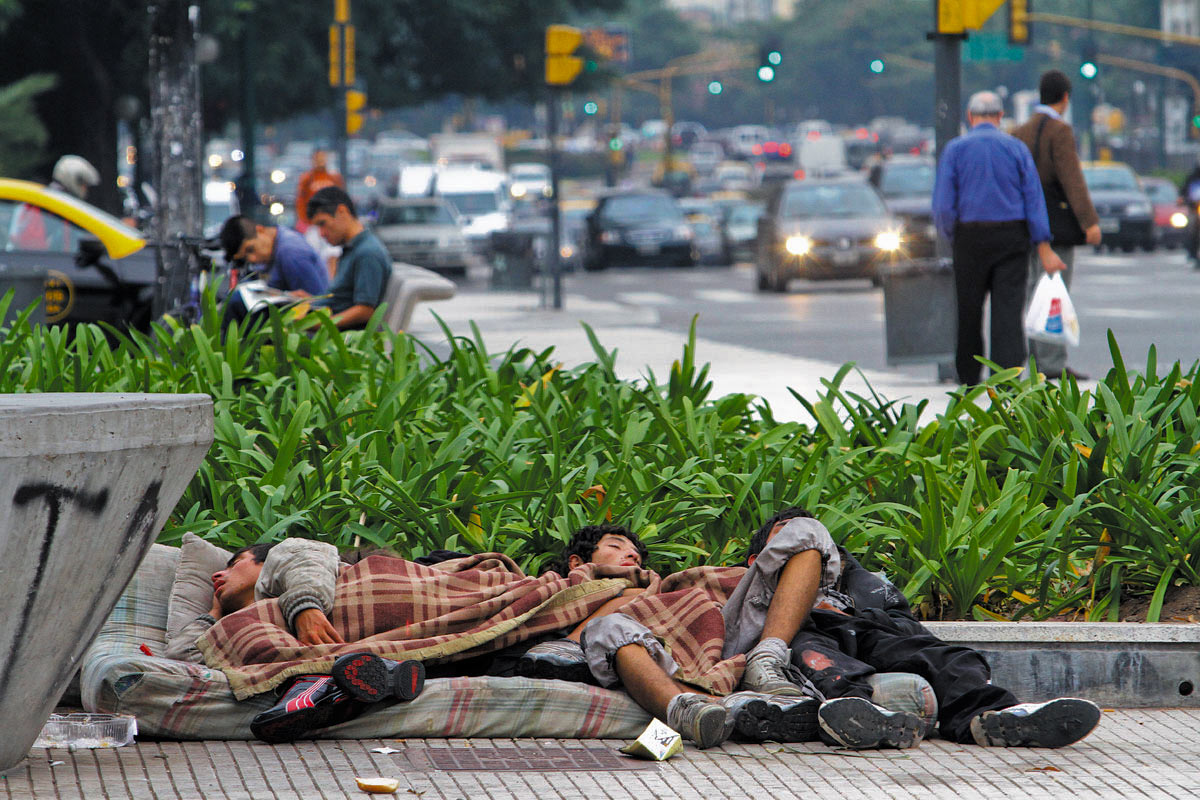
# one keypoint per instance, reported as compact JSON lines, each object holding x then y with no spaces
{"x":657,"y":743}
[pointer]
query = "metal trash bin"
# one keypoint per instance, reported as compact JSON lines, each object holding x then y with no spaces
{"x":29,"y":283}
{"x":920,"y":312}
{"x":513,"y":259}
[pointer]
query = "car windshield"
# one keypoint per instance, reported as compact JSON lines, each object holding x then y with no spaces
{"x":429,"y":214}
{"x":1164,"y":193}
{"x":905,"y":179}
{"x":745,"y":214}
{"x":638,"y":207}
{"x":529,"y":174}
{"x":1109,"y":179}
{"x":471,"y":203}
{"x":831,"y":200}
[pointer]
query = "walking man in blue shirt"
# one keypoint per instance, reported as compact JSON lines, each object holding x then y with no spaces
{"x":988,"y":202}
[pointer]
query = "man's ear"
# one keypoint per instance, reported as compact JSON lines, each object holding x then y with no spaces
{"x":574,"y":561}
{"x":750,"y":560}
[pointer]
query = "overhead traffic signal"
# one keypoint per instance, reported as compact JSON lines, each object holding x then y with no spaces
{"x":770,"y":56}
{"x":715,"y":87}
{"x":561,"y":66}
{"x":590,"y":108}
{"x":356,"y":101}
{"x":1019,"y":31}
{"x":876,"y":66}
{"x":1087,"y":65}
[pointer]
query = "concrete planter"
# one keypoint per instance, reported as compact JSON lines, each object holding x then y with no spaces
{"x":1115,"y":664}
{"x":86,"y":482}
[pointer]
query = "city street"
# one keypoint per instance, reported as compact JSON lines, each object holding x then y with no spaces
{"x":1144,"y":298}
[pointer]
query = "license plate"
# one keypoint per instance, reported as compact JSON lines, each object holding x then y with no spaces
{"x":647,"y":249}
{"x":845,"y":258}
{"x":1109,"y":225}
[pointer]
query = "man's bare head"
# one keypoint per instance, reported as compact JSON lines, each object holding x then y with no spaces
{"x":604,"y":544}
{"x":234,"y":585}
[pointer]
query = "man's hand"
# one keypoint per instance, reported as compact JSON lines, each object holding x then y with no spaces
{"x":1092,"y":234}
{"x":215,"y":611}
{"x":313,"y":627}
{"x":1050,"y":260}
{"x":299,"y":293}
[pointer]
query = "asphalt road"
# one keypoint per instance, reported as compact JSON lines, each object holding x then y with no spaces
{"x":1144,"y":298}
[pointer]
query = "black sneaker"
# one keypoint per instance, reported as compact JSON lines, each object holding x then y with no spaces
{"x":557,"y":659}
{"x":861,"y":725}
{"x":1056,"y":723}
{"x":758,"y":717}
{"x":310,"y":702}
{"x":369,"y":678}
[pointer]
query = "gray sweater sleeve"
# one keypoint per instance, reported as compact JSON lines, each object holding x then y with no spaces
{"x":183,"y":646}
{"x":301,"y":573}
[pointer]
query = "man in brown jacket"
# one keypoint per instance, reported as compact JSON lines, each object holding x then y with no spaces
{"x":1056,"y":158}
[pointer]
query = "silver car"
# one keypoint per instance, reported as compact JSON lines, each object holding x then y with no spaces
{"x":425,"y":231}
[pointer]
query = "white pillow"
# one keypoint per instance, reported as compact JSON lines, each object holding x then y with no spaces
{"x":192,"y":591}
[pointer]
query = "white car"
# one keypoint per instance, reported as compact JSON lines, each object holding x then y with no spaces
{"x":481,"y":198}
{"x":529,"y":182}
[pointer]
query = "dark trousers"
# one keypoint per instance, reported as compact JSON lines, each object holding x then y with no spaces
{"x":990,"y":260}
{"x":837,"y":652}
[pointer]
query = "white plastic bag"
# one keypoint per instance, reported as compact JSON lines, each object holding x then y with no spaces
{"x":1051,"y":316}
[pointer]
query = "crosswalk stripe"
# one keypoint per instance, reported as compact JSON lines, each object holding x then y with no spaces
{"x":645,"y":298}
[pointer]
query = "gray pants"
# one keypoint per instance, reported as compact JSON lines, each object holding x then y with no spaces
{"x":1051,"y":359}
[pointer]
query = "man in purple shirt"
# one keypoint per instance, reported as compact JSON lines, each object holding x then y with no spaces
{"x":988,"y":201}
{"x":289,"y":261}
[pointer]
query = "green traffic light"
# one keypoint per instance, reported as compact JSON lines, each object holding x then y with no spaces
{"x":1088,"y":70}
{"x":715,"y":87}
{"x":766,"y":73}
{"x":590,"y":107}
{"x":775,"y":58}
{"x":615,"y":144}
{"x":1196,"y":120}
{"x":877,"y":66}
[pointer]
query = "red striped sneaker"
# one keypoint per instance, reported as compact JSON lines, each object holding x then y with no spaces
{"x":370,"y":678}
{"x":310,"y":702}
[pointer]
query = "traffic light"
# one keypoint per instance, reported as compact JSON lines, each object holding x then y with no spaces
{"x":770,"y":56}
{"x":876,"y":66}
{"x":356,"y":101}
{"x":590,"y":108}
{"x":1087,"y":65}
{"x":615,"y":144}
{"x":561,"y":66}
{"x":715,"y":87}
{"x":1019,"y":31}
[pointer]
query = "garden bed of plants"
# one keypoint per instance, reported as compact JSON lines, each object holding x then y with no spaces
{"x":1022,"y":500}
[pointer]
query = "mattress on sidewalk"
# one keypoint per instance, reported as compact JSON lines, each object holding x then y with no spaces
{"x":179,"y":700}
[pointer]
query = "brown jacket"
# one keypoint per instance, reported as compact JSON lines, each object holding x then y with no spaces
{"x":1057,"y":159}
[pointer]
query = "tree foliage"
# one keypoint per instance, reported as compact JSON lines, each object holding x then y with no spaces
{"x":22,"y":135}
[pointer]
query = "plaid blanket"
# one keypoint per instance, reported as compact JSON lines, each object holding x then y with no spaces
{"x":469,"y":607}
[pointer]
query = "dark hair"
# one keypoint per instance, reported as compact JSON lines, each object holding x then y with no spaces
{"x":759,"y":540}
{"x":327,"y":200}
{"x":234,"y":233}
{"x":257,"y":551}
{"x":583,"y":543}
{"x":1053,"y":86}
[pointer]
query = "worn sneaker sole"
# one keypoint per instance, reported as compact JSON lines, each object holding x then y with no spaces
{"x":1056,"y":724}
{"x":369,"y":678}
{"x":708,"y":728}
{"x":798,"y":722}
{"x":554,"y":670}
{"x":765,"y":721}
{"x":861,"y":725}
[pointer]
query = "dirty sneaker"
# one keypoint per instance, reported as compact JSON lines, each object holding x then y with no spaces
{"x":756,"y":717}
{"x":558,"y":659}
{"x":861,"y":725}
{"x":698,"y":719}
{"x":369,"y":678}
{"x":1056,"y":723}
{"x":767,"y":674}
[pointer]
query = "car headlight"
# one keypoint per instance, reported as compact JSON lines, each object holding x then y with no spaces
{"x":518,"y":191}
{"x":610,"y":237}
{"x":888,"y":241}
{"x":798,"y":245}
{"x":566,"y":251}
{"x":1137,"y":208}
{"x":276,"y":209}
{"x":547,"y":191}
{"x":683,"y":232}
{"x":1179,"y":220}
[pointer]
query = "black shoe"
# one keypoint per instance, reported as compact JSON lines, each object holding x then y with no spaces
{"x":309,"y":703}
{"x":757,"y":717}
{"x":369,"y":678}
{"x":861,"y":725}
{"x":1056,"y":723}
{"x":557,"y":659}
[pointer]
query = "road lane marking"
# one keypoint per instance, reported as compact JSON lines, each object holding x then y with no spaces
{"x":724,"y":296}
{"x":645,"y":298}
{"x":1128,"y":313}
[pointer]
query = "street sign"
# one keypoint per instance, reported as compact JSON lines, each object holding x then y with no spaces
{"x":959,"y":16}
{"x":561,"y":66}
{"x":992,"y":47}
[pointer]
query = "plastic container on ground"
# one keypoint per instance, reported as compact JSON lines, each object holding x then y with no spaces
{"x":87,"y":731}
{"x":920,"y":312}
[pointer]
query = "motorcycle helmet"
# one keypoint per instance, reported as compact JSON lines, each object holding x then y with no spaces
{"x":75,"y":174}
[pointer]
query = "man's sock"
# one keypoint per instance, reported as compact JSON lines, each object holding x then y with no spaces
{"x":775,"y":647}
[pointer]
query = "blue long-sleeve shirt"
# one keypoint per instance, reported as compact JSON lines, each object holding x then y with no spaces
{"x":295,"y":265}
{"x":989,"y":176}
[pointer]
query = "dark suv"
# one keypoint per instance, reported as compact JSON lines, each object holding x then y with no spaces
{"x":1126,"y":215}
{"x":638,"y":227}
{"x":906,"y":183}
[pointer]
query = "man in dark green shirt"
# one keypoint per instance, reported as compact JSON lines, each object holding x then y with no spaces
{"x":363,"y":269}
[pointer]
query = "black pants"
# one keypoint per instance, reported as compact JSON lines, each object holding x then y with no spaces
{"x":837,"y":652}
{"x":990,"y":260}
